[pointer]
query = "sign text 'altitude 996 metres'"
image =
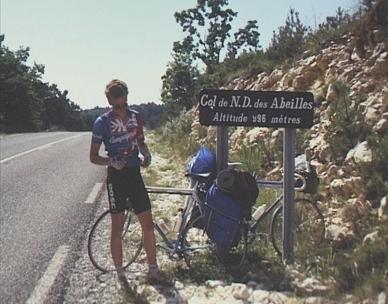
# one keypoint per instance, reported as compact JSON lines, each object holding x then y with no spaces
{"x":256,"y":108}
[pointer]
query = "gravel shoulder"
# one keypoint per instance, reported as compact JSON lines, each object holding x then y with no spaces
{"x":88,"y":285}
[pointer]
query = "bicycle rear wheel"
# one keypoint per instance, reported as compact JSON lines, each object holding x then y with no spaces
{"x":309,"y":228}
{"x":99,"y":241}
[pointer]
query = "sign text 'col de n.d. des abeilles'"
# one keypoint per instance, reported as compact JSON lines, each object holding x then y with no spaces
{"x":256,"y":108}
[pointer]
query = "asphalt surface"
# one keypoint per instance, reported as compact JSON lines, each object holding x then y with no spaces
{"x":45,"y":179}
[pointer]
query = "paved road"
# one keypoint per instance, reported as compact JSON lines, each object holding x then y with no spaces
{"x":45,"y":179}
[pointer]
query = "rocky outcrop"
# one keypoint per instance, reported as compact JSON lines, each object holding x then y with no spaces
{"x":366,"y":75}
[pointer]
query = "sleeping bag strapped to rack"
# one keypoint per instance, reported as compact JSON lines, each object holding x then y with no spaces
{"x":202,"y":162}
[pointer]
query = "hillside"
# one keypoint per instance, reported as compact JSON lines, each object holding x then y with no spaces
{"x":348,"y":145}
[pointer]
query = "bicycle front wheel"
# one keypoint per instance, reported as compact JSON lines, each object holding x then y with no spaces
{"x":99,"y":241}
{"x":196,"y":246}
{"x":200,"y":252}
{"x":309,"y":228}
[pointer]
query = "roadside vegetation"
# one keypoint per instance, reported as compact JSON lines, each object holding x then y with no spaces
{"x":357,"y":267}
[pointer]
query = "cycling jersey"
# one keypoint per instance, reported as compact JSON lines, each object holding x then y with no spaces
{"x":120,"y":140}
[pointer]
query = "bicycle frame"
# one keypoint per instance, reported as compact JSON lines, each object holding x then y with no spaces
{"x":278,"y":201}
{"x":173,"y":246}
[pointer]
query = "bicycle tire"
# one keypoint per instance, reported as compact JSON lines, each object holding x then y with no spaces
{"x":199,"y":251}
{"x":99,"y":241}
{"x":195,"y":244}
{"x":309,"y":228}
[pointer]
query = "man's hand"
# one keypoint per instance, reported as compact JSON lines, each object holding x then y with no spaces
{"x":117,"y":164}
{"x":146,"y":159}
{"x":145,"y":152}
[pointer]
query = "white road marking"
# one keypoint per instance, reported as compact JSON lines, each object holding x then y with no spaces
{"x":94,"y":193}
{"x":42,"y":288}
{"x":39,"y":148}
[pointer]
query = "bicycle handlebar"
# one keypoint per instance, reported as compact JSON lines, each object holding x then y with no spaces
{"x":299,"y":177}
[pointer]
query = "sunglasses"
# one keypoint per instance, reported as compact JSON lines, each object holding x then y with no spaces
{"x":120,"y":106}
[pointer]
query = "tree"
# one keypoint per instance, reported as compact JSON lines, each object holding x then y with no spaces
{"x":208,"y":27}
{"x":180,"y":83}
{"x":368,"y":4}
{"x":20,"y":104}
{"x":288,"y":41}
{"x":248,"y":36}
{"x":26,"y":103}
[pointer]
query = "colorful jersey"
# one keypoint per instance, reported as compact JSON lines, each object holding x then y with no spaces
{"x":120,"y":140}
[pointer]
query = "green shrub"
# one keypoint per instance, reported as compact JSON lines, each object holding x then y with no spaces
{"x":174,"y":137}
{"x":364,"y":268}
{"x":376,"y":173}
{"x":248,"y":64}
{"x":347,"y":123}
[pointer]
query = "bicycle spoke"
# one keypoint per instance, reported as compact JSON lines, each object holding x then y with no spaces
{"x":196,"y":245}
{"x":309,"y":228}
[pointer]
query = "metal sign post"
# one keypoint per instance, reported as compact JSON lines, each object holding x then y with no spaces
{"x":276,"y":109}
{"x":288,"y":193}
{"x":222,"y":148}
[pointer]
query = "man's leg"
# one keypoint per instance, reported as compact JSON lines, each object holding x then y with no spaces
{"x":115,"y":239}
{"x":147,"y":225}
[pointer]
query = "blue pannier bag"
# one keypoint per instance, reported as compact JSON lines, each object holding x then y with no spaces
{"x":222,"y":217}
{"x":202,"y":162}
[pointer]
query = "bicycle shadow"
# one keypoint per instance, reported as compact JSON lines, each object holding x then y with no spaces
{"x":134,"y":290}
{"x":268,"y":272}
{"x":132,"y":296}
{"x":169,"y":292}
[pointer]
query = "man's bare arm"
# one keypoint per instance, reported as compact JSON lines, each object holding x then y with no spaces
{"x":95,"y":158}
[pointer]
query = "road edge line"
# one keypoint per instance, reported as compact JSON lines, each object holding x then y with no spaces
{"x":98,"y":187}
{"x":39,"y":148}
{"x":41,"y":290}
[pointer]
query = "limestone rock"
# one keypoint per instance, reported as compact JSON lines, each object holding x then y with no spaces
{"x":263,"y":296}
{"x":214,"y":283}
{"x":275,"y":76}
{"x":331,"y":94}
{"x":382,"y":298}
{"x":371,"y":238}
{"x":338,"y":234}
{"x":257,"y":134}
{"x":240,"y":291}
{"x":360,"y":154}
{"x":341,"y":187}
{"x":312,"y":287}
{"x":382,"y":125}
{"x":383,"y":209}
{"x":380,"y":67}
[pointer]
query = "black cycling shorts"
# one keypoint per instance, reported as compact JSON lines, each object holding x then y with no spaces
{"x":127,"y":184}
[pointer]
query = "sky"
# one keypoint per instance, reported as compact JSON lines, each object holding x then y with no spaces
{"x":83,"y":44}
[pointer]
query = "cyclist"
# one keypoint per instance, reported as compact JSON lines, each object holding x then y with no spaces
{"x":121,"y":131}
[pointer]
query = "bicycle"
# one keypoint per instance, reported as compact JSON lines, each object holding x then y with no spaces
{"x":191,"y":242}
{"x":181,"y":247}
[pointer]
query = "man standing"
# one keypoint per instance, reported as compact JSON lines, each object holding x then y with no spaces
{"x":121,"y":131}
